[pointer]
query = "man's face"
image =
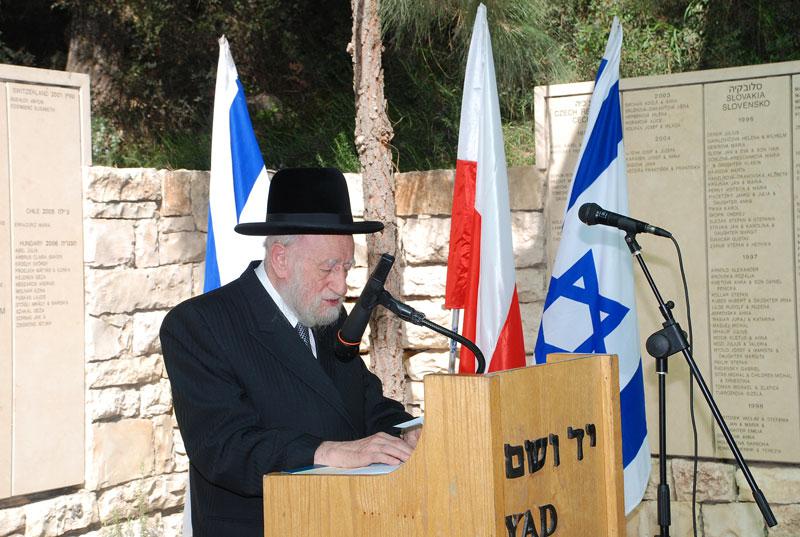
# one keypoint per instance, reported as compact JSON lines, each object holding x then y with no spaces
{"x":318,"y":271}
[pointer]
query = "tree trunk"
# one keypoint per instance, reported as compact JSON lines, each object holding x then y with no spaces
{"x":88,"y":53}
{"x":372,"y":136}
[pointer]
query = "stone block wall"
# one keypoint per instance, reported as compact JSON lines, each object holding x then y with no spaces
{"x":144,"y":235}
{"x":144,"y":248}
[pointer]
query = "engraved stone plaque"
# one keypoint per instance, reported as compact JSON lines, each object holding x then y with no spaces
{"x":567,"y":126}
{"x":713,"y":157}
{"x":662,"y":131}
{"x":6,"y":318}
{"x":751,"y":272}
{"x":44,"y":150}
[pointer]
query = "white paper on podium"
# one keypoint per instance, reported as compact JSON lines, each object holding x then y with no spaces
{"x":411,"y":423}
{"x":372,"y":469}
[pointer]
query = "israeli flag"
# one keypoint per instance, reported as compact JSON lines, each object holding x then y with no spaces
{"x":239,"y":182}
{"x":237,"y":192}
{"x":590,"y":305}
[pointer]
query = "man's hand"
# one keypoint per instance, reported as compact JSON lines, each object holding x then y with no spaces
{"x":380,"y":448}
{"x":411,"y":436}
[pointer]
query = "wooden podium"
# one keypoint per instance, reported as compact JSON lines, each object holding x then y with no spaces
{"x":534,"y":451}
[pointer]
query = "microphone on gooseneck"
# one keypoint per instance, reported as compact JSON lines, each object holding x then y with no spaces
{"x":349,"y":336}
{"x":591,"y":214}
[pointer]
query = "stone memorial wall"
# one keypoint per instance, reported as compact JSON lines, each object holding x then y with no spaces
{"x":44,"y":150}
{"x":144,"y":245}
{"x":713,"y":157}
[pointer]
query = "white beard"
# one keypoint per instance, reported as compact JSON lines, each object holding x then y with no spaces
{"x":314,"y":315}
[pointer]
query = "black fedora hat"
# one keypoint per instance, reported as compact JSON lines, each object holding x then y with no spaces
{"x":308,"y":201}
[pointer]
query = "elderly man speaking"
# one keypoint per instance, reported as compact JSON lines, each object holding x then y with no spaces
{"x":255,"y":382}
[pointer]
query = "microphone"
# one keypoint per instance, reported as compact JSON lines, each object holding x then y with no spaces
{"x":402,"y":310}
{"x":591,"y":214}
{"x":410,"y":315}
{"x":349,"y":336}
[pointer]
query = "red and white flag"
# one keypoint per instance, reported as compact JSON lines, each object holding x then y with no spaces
{"x":480,"y":265}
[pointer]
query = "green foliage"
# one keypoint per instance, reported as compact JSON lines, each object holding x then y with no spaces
{"x":155,"y":54}
{"x":318,"y":133}
{"x":426,"y":49}
{"x":344,"y":154}
{"x":658,"y":37}
{"x":518,"y":137}
{"x":32,"y":33}
{"x":424,"y":107}
{"x":167,"y":150}
{"x":15,"y":57}
{"x":154,"y":65}
{"x":523,"y":48}
{"x":745,"y":33}
{"x":534,"y":43}
{"x":161,"y":57}
{"x":106,"y":142}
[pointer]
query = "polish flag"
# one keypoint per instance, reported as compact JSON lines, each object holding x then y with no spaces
{"x":480,"y":265}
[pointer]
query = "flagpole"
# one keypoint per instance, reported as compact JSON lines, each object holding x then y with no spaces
{"x":451,"y":368}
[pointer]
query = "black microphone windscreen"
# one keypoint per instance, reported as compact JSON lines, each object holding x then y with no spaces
{"x":344,"y":351}
{"x":349,"y":335}
{"x":588,"y":213}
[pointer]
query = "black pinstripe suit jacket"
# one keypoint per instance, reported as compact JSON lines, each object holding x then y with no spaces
{"x":250,"y":398}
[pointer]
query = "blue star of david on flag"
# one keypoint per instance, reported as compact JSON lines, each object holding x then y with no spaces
{"x":579,"y":285}
{"x":590,"y":305}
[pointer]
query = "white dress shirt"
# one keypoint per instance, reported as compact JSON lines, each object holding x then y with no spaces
{"x":288,"y":312}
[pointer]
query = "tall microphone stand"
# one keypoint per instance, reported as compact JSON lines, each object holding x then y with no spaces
{"x":660,"y":345}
